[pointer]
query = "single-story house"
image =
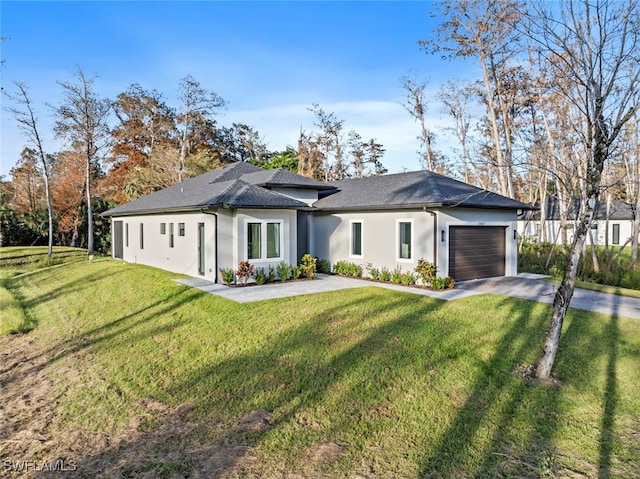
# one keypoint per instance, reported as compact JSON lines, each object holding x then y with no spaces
{"x":243,"y":212}
{"x":612,"y":224}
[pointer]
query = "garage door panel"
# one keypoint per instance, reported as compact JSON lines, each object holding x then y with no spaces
{"x":476,"y":252}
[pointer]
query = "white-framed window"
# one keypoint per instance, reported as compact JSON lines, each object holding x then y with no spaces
{"x":141,"y":235}
{"x":171,"y":242}
{"x":404,"y":243}
{"x":180,"y":229}
{"x":126,"y":234}
{"x":355,"y":250}
{"x":254,"y":240}
{"x":264,"y":240}
{"x":616,"y":233}
{"x":163,"y":228}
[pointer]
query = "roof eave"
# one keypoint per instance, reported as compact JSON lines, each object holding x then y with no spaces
{"x":157,"y":211}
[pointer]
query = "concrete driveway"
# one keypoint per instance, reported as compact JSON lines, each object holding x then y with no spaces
{"x":524,"y":286}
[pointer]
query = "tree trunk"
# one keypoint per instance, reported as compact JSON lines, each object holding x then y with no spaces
{"x":563,"y":296}
{"x":89,"y":210}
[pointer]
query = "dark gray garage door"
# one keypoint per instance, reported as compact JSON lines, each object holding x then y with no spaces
{"x":476,"y":252}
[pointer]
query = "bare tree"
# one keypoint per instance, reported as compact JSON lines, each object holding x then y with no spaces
{"x":27,"y":120}
{"x":330,"y":138}
{"x":415,"y":103}
{"x":594,"y":44}
{"x":455,"y":100}
{"x":82,"y":121}
{"x":198,"y":106}
{"x":484,"y":30}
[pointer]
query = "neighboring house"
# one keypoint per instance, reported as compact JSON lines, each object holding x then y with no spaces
{"x":242,"y":212}
{"x":614,"y":227}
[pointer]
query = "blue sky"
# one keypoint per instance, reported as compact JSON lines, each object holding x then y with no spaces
{"x":270,"y":61}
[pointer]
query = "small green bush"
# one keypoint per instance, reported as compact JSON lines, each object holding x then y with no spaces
{"x":308,"y":264}
{"x":396,"y":275}
{"x":271,"y":274}
{"x":284,"y":271}
{"x":228,"y":275}
{"x":442,"y":283}
{"x":385,"y":274}
{"x":408,"y":279}
{"x":373,"y":273}
{"x":346,"y":268}
{"x":261,"y":276}
{"x":323,"y":266}
{"x":297,"y":271}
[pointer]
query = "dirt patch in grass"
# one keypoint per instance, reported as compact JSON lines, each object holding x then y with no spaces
{"x":158,"y":441}
{"x":328,"y":451}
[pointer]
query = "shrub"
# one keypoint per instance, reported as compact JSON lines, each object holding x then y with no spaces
{"x":261,"y":276}
{"x":271,"y":274}
{"x":308,"y":264}
{"x":284,"y":270}
{"x":385,"y":274}
{"x":373,"y":273}
{"x":442,"y":283}
{"x":323,"y":266}
{"x":228,"y":275}
{"x":396,"y":275}
{"x":245,"y":271}
{"x":408,"y":279}
{"x":426,"y":271}
{"x":297,"y":271}
{"x":346,"y":268}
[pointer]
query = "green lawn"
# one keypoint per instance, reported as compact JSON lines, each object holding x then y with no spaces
{"x":365,"y":381}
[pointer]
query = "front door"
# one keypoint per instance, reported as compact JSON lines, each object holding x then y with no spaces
{"x":201,"y":249}
{"x":117,"y":239}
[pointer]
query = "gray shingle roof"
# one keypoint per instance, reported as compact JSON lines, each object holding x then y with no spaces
{"x":619,"y":210}
{"x":413,"y":189}
{"x":283,"y":178}
{"x":220,"y":187}
{"x":242,"y":185}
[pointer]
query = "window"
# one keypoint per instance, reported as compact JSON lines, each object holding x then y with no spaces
{"x":264,"y":240}
{"x":126,"y":234}
{"x":254,"y":240}
{"x":163,"y":228}
{"x":404,"y":239}
{"x":141,"y":236}
{"x":180,"y":229}
{"x":273,"y":240}
{"x":356,"y":238}
{"x":170,"y":235}
{"x":616,"y":233}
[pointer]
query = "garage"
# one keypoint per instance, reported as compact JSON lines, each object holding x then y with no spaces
{"x":476,"y":252}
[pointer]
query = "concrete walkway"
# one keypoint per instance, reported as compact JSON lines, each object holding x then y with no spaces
{"x":524,"y":286}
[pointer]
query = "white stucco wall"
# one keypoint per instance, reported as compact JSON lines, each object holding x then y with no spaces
{"x":156,"y":251}
{"x":305,"y":195}
{"x":183,"y":256}
{"x":331,"y":236}
{"x":532,"y":231}
{"x":288,"y":235}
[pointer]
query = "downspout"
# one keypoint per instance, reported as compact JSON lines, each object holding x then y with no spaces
{"x":435,"y":234}
{"x":215,"y":227}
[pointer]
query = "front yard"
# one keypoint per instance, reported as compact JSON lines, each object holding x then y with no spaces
{"x":124,"y":372}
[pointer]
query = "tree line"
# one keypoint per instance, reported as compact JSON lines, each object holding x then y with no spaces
{"x":118,"y":150}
